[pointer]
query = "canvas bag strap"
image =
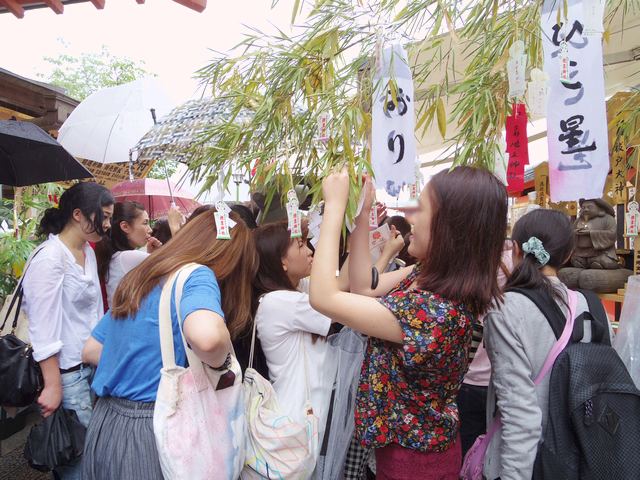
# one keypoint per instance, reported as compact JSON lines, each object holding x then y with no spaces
{"x":253,"y":344}
{"x":195,"y":364}
{"x":177,"y":278}
{"x":165,"y":324}
{"x":253,"y":336}
{"x":557,"y":348}
{"x":306,"y":367}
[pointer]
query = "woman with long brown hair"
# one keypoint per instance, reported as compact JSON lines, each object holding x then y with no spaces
{"x":215,"y":306}
{"x":420,"y":328}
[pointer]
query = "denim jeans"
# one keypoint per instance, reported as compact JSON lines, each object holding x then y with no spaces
{"x":76,"y":396}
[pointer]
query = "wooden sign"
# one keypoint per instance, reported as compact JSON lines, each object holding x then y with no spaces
{"x":541,"y":179}
{"x":619,"y":171}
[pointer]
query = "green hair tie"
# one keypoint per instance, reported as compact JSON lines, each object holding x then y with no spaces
{"x":535,"y":247}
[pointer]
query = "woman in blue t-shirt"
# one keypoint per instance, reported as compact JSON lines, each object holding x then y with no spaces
{"x":215,"y":306}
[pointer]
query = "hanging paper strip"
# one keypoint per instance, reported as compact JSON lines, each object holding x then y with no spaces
{"x":393,"y":143}
{"x":576,"y":111}
{"x":517,"y":148}
{"x":632,"y":219}
{"x":516,"y":69}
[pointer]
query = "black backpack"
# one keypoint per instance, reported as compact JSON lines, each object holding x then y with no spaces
{"x":593,"y":424}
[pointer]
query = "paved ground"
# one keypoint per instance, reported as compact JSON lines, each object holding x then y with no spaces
{"x":13,"y":466}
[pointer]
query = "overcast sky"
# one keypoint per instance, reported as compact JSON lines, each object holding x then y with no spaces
{"x":172,"y":40}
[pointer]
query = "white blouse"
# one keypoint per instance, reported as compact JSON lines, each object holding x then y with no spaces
{"x":121,"y":264}
{"x":62,"y":301}
{"x":286,"y":323}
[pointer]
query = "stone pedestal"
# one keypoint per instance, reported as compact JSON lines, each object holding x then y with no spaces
{"x":599,"y":281}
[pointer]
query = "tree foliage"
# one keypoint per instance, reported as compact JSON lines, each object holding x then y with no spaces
{"x":82,"y":75}
{"x":287,"y":81}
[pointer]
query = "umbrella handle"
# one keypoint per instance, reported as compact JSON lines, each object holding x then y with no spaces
{"x":166,"y":171}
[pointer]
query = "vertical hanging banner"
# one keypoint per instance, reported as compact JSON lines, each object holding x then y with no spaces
{"x":576,"y":114}
{"x":393,"y":144}
{"x":517,"y":148}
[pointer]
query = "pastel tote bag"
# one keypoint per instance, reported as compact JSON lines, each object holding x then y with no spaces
{"x":199,"y":431}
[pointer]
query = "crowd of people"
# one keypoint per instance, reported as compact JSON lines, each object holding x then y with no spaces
{"x":447,"y":348}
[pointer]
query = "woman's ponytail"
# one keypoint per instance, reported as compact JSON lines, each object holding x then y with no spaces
{"x":545,"y":237}
{"x":52,"y":222}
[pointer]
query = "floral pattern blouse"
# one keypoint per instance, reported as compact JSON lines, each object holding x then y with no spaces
{"x":407,"y":393}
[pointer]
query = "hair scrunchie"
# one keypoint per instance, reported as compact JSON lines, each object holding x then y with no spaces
{"x":535,"y":247}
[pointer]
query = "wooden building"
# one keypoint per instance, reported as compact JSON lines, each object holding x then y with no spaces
{"x":18,"y":7}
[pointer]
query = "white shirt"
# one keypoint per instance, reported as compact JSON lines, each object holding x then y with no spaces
{"x":62,"y":301}
{"x":285,"y":322}
{"x":121,"y":264}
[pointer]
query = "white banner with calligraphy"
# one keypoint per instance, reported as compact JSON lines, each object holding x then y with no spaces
{"x":576,"y":109}
{"x":393,"y":143}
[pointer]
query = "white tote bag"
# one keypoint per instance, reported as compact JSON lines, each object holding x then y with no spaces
{"x":199,"y":431}
{"x":277,"y":446}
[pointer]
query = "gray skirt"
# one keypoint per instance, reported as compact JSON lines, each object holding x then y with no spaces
{"x":120,"y":443}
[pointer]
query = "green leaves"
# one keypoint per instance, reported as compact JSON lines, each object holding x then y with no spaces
{"x":82,"y":75}
{"x":442,"y":117}
{"x":325,"y":66}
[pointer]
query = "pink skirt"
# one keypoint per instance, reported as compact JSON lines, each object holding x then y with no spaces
{"x":394,"y":462}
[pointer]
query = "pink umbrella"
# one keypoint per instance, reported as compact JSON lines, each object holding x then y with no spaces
{"x":154,"y":195}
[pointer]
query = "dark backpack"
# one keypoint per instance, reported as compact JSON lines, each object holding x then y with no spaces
{"x":593,"y":423}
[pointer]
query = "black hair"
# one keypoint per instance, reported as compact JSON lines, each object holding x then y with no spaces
{"x":402,"y":224}
{"x":89,"y":197}
{"x":555,"y":231}
{"x":116,"y":240}
{"x":246,"y":214}
{"x":243,"y":212}
{"x":161,"y":231}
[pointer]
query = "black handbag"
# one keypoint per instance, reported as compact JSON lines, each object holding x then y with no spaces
{"x":57,"y":441}
{"x":20,"y":375}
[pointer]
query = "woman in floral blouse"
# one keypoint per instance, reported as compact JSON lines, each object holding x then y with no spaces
{"x":420,"y":327}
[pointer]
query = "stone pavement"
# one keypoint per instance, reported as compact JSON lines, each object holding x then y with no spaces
{"x":13,"y":466}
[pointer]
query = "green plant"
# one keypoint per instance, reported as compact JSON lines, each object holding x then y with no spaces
{"x":21,"y":215}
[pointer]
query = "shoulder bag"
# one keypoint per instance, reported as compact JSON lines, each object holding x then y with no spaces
{"x":20,"y":375}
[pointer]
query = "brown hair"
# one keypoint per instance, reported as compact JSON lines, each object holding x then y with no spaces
{"x":468,"y":229}
{"x":233,"y":261}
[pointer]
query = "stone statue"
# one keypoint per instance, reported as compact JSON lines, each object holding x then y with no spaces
{"x":596,"y":232}
{"x":594,"y":264}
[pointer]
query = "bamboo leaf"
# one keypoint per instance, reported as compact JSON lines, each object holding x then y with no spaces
{"x":442,"y":117}
{"x":296,"y":8}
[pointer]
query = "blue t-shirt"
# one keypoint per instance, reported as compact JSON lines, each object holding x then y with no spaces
{"x":131,"y":359}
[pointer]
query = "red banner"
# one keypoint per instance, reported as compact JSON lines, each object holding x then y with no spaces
{"x":517,"y":148}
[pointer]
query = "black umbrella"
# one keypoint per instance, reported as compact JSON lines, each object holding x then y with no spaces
{"x":29,"y":155}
